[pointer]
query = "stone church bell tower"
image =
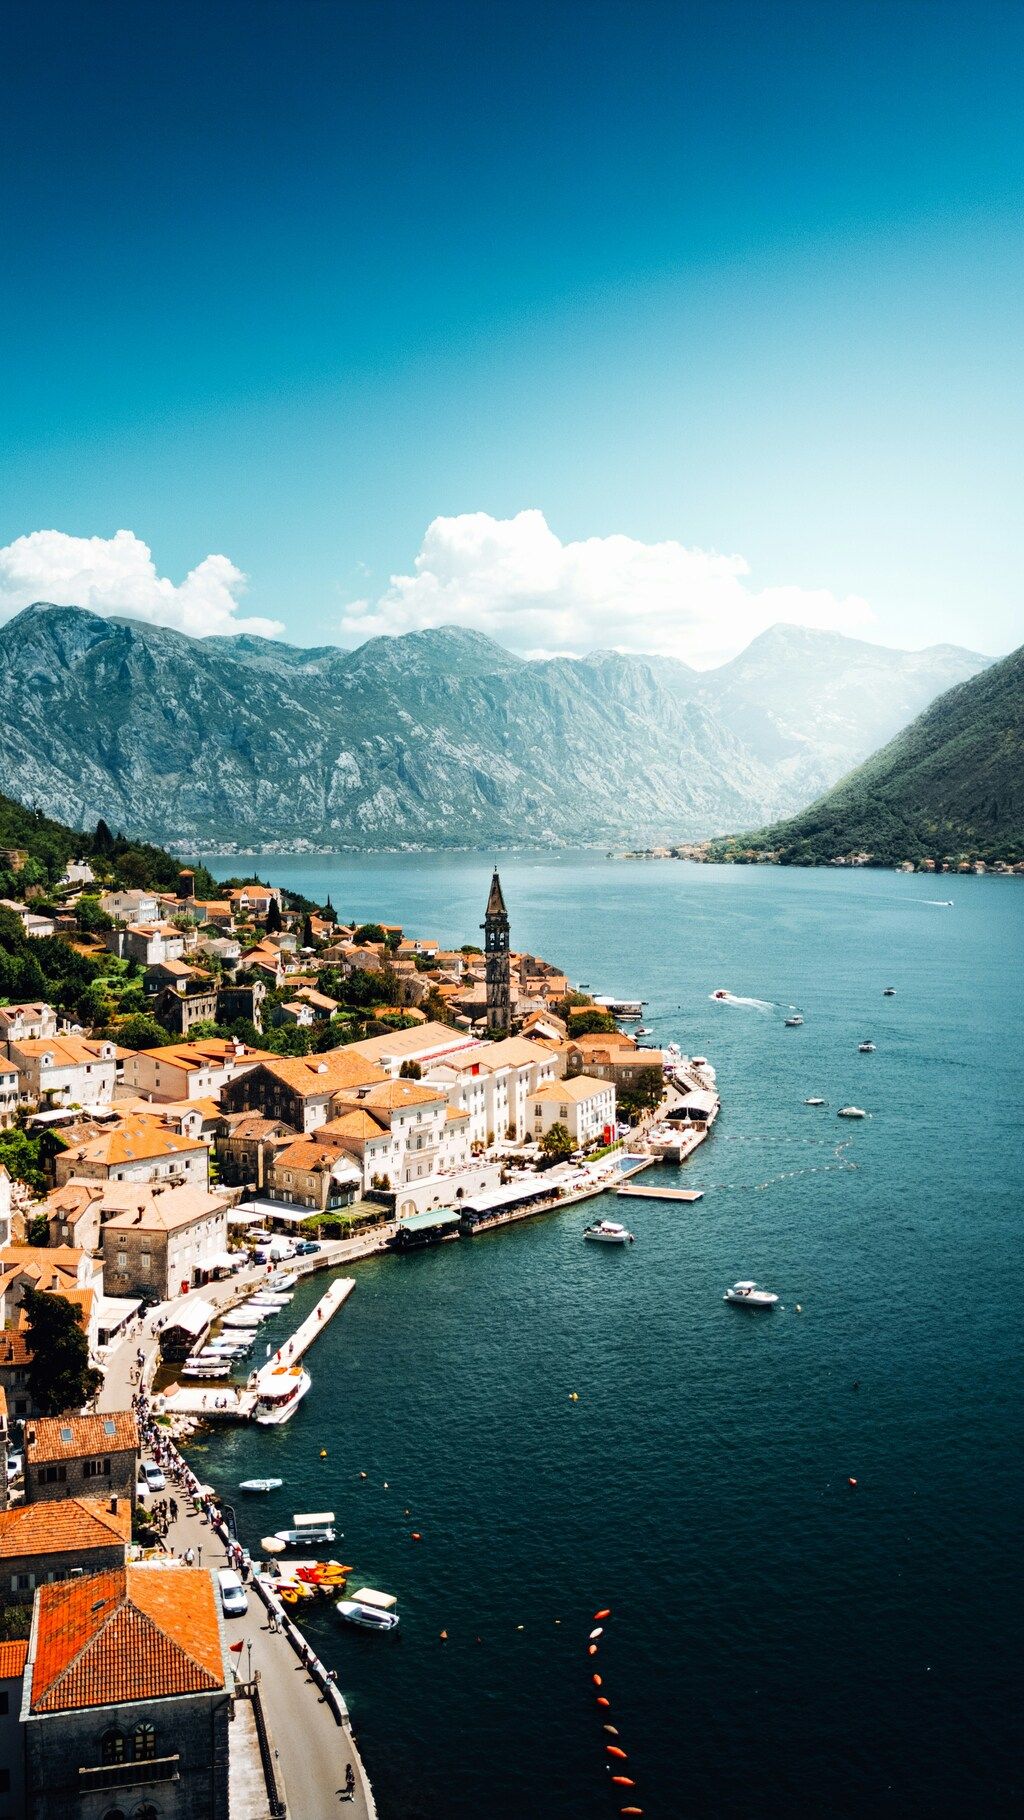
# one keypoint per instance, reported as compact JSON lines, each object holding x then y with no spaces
{"x":497,"y":960}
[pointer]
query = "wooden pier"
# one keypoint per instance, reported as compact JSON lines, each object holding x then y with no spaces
{"x":661,"y":1194}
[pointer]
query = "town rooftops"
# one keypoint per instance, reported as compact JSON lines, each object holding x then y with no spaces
{"x":135,"y":1633}
{"x":53,"y":1438}
{"x":420,"y":1040}
{"x":309,"y":1153}
{"x":71,"y":1051}
{"x":313,"y":1075}
{"x":64,"y":1526}
{"x":134,"y":1140}
{"x":165,"y":1210}
{"x":209,"y":1052}
{"x":584,"y":1087}
{"x":392,"y":1096}
{"x":359,"y":1124}
{"x":12,"y":1659}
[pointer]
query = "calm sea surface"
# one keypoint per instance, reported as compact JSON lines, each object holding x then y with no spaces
{"x":780,"y":1641}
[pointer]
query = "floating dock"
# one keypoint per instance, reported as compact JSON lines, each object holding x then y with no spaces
{"x":661,"y":1194}
{"x":290,"y":1351}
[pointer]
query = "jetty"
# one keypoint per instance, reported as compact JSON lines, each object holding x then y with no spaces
{"x":661,"y":1194}
{"x":237,"y":1403}
{"x":334,"y":1297}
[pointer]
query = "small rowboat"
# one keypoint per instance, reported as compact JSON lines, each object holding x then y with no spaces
{"x":260,"y":1484}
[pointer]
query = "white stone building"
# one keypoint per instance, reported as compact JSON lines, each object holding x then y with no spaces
{"x":586,"y":1108}
{"x":66,"y":1070}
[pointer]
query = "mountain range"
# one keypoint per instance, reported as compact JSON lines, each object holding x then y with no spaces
{"x":435,"y":738}
{"x":950,"y":784}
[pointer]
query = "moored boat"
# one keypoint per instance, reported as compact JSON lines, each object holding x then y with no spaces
{"x":279,"y":1391}
{"x":609,"y":1232}
{"x":815,"y":1101}
{"x":368,"y":1617}
{"x":746,"y":1294}
{"x":851,"y":1112}
{"x":260,"y":1484}
{"x":866,"y":1048}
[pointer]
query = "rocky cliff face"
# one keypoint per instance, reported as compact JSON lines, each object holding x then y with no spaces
{"x":437,"y":738}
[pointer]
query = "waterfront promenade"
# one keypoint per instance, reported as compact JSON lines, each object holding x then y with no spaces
{"x":312,"y":1750}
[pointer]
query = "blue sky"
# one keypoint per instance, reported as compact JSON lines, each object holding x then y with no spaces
{"x":287,"y":285}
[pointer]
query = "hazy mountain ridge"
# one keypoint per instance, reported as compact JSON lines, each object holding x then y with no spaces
{"x":950,"y":784}
{"x":440,"y":737}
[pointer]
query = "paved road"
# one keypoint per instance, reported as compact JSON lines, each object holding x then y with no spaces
{"x":313,"y":1750}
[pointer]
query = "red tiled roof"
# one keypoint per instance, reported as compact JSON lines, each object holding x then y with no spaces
{"x":60,"y":1526}
{"x":136,"y":1633}
{"x":72,"y":1437}
{"x":12,"y":1660}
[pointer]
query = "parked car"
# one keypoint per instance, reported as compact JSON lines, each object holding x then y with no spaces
{"x":234,"y":1599}
{"x":305,"y":1248}
{"x":153,"y":1476}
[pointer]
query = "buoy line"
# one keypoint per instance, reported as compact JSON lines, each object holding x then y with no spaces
{"x":618,"y":1757}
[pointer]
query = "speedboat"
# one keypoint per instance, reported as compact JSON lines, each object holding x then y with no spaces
{"x":747,"y":1295}
{"x":851,"y":1112}
{"x":298,"y":1538}
{"x":608,"y":1232}
{"x":815,"y":1101}
{"x":368,"y":1617}
{"x":866,"y":1048}
{"x":281,"y":1280}
{"x":888,"y":992}
{"x":720,"y":992}
{"x":260,"y":1484}
{"x":642,"y":1030}
{"x":793,"y":1023}
{"x":209,"y":1368}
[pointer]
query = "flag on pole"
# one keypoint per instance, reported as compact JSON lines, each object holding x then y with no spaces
{"x":236,"y":1648}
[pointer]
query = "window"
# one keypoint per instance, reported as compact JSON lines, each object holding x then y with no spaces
{"x":5,"y":1701}
{"x":146,"y":1812}
{"x":112,"y":1746}
{"x":52,"y":1475}
{"x":96,"y":1469}
{"x":145,"y":1743}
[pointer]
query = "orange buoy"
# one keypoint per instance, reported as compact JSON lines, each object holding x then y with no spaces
{"x":615,"y":1751}
{"x":613,"y":1729}
{"x":592,"y":1649}
{"x":597,"y":1681}
{"x":600,"y":1615}
{"x":851,"y":1481}
{"x":623,"y":1781}
{"x":631,"y":1810}
{"x":416,"y":1535}
{"x":601,"y":1701}
{"x":444,"y":1636}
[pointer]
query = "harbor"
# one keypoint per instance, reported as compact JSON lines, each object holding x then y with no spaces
{"x":271,"y":1390}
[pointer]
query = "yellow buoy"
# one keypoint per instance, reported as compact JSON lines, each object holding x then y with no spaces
{"x":323,"y":1453}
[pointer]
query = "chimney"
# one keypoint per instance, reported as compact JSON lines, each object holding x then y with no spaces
{"x":115,"y":1505}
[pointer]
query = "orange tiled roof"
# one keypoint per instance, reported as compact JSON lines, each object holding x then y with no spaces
{"x":136,"y":1633}
{"x":60,"y":1526}
{"x":12,"y":1660}
{"x":326,"y":1073}
{"x":14,"y":1348}
{"x":71,"y":1437}
{"x":134,"y":1140}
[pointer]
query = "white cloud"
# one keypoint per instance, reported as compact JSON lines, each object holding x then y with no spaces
{"x":117,"y":575}
{"x":514,"y":579}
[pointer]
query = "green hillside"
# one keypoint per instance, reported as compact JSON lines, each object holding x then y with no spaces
{"x":114,"y":858}
{"x":950,"y":785}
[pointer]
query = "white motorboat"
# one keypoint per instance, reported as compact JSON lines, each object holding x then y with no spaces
{"x":815,"y":1101}
{"x":210,"y":1369}
{"x":308,"y":1533}
{"x":888,"y":992}
{"x":368,"y":1617}
{"x":279,"y":1391}
{"x":643,"y":1030}
{"x":266,"y":1299}
{"x":793,"y":1023}
{"x":245,"y":1316}
{"x":609,"y":1232}
{"x":748,"y":1295}
{"x":260,"y":1484}
{"x":851,"y":1112}
{"x":866,"y":1048}
{"x":281,"y":1280}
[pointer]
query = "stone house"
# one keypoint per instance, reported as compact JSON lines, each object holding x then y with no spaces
{"x":10,"y":1093}
{"x":244,"y":1144}
{"x":18,"y":1022}
{"x":12,"y":1786}
{"x":314,"y":1173}
{"x":190,"y":1071}
{"x":131,"y":906}
{"x":60,"y":1538}
{"x":125,"y":1703}
{"x":298,"y":1089}
{"x":171,"y":1241}
{"x":76,"y":1456}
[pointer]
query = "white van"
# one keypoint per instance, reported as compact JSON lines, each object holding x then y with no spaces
{"x":234,"y":1599}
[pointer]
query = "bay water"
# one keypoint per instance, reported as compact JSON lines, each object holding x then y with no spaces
{"x":780,"y":1639}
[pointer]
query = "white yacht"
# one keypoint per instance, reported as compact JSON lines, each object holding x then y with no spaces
{"x":279,"y":1391}
{"x":866,"y":1048}
{"x":748,"y":1295}
{"x":815,"y":1101}
{"x":851,"y":1112}
{"x":608,"y":1232}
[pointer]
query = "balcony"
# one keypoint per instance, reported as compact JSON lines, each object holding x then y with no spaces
{"x":130,"y":1775}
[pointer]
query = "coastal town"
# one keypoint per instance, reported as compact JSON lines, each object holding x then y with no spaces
{"x":264,"y":1090}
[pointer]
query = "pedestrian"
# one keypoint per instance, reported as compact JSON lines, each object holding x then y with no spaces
{"x":174,"y":1510}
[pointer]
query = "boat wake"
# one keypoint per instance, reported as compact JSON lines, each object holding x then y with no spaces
{"x":745,"y":1004}
{"x":939,"y":903}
